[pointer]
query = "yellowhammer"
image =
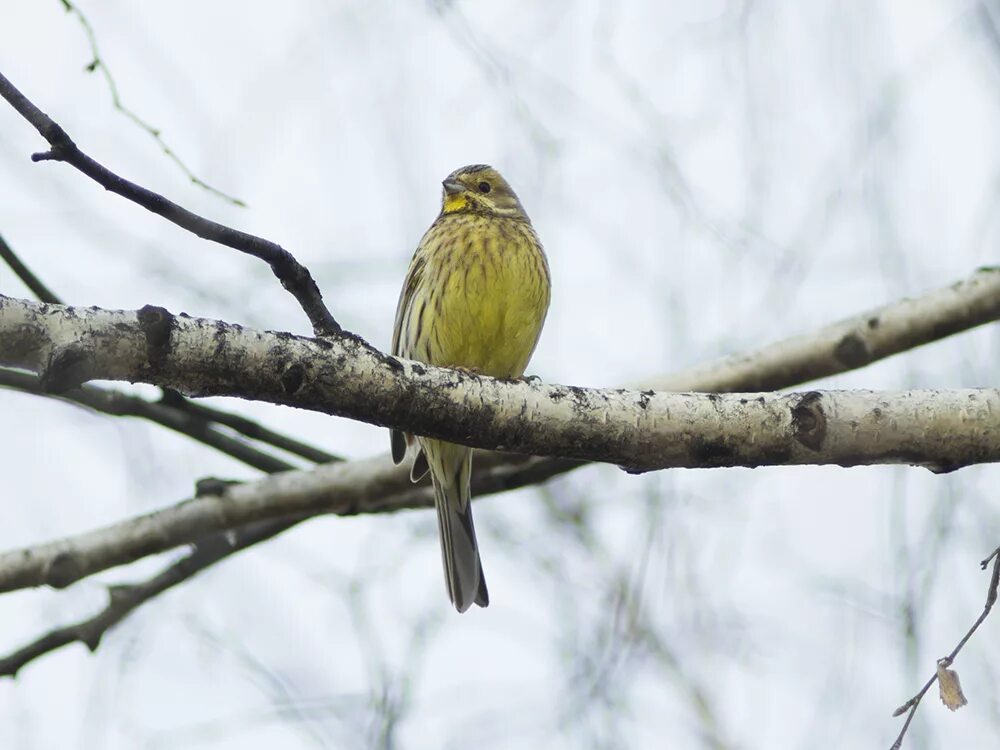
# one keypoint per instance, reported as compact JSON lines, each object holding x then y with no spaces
{"x":475,"y":297}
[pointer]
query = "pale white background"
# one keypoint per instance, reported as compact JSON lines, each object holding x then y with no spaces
{"x":707,"y":177}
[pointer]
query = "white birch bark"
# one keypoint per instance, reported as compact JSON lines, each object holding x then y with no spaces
{"x":73,"y":345}
{"x":640,"y":430}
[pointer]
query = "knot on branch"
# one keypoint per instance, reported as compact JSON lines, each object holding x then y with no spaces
{"x":213,"y":486}
{"x":713,"y":451}
{"x":852,"y":351}
{"x":809,"y":421}
{"x":59,"y":141}
{"x":292,"y":379}
{"x":156,"y":324}
{"x":63,"y":569}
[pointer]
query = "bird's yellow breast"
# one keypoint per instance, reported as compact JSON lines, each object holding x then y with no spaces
{"x":485,"y":308}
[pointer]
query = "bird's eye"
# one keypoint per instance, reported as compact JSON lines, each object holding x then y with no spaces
{"x":484,"y":187}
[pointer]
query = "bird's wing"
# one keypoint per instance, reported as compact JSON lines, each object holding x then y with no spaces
{"x":414,"y":277}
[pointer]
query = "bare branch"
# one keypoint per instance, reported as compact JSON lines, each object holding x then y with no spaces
{"x":177,"y":413}
{"x":638,"y":430}
{"x":246,"y":427}
{"x":119,"y":404}
{"x":917,"y":321}
{"x":123,"y":599}
{"x":991,"y":597}
{"x":34,"y":284}
{"x":851,"y":343}
{"x":294,"y":277}
{"x":371,"y":485}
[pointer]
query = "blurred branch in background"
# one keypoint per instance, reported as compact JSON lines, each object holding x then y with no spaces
{"x":988,"y":18}
{"x":376,"y":485}
{"x":98,"y":63}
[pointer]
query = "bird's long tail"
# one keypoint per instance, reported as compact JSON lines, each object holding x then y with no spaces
{"x":451,"y":470}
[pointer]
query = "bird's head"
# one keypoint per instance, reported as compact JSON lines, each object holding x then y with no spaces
{"x":479,"y":188}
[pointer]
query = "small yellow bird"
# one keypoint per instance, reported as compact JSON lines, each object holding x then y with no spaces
{"x":475,"y":298}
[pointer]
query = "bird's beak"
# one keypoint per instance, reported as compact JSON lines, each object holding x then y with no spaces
{"x":452,"y":187}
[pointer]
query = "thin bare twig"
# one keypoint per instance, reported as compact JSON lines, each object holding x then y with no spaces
{"x":246,"y":427}
{"x":25,"y":274}
{"x":118,"y":404}
{"x":991,"y":598}
{"x":294,"y":277}
{"x":97,"y":63}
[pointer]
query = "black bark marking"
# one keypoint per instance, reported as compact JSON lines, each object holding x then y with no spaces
{"x":809,"y":421}
{"x":579,"y":396}
{"x":221,"y":341}
{"x":63,"y":570}
{"x":156,"y":324}
{"x":778,"y":456}
{"x":852,"y":351}
{"x":67,"y":368}
{"x":713,"y":452}
{"x":292,"y":378}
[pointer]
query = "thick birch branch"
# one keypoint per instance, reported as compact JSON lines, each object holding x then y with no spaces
{"x":70,"y":360}
{"x":942,"y":429}
{"x":66,"y":560}
{"x":370,"y":485}
{"x":638,"y":430}
{"x":376,"y":485}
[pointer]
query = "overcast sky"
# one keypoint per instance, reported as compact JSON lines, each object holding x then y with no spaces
{"x":707,"y":177}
